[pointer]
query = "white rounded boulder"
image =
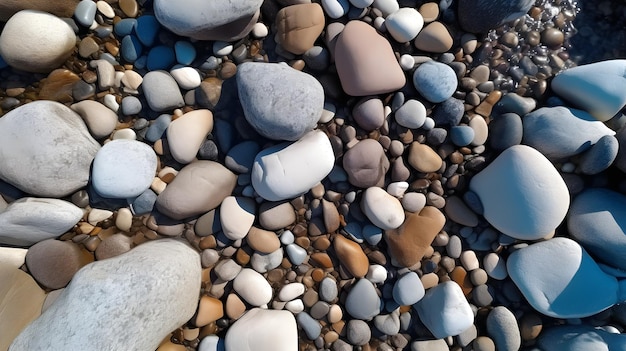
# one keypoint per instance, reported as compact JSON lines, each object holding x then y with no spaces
{"x":405,"y":24}
{"x":382,"y":209}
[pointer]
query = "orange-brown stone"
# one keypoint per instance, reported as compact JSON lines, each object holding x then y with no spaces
{"x":351,"y":256}
{"x":298,"y":26}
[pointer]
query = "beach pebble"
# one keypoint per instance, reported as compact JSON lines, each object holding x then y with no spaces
{"x":362,"y":301}
{"x":187,"y":77}
{"x":36,"y":41}
{"x":412,"y":114}
{"x":408,"y":289}
{"x":388,"y":324}
{"x":365,"y":61}
{"x":435,"y":81}
{"x":198,"y":188}
{"x":435,"y":37}
{"x":404,"y":24}
{"x":30,"y":220}
{"x":131,"y":105}
{"x":596,"y":221}
{"x":449,"y":112}
{"x":585,"y":87}
{"x":261,"y":240}
{"x":185,"y":52}
{"x":114,"y":245}
{"x":161,"y":91}
{"x":241,"y":156}
{"x":186,"y":134}
{"x":461,"y":135}
{"x":444,"y":310}
{"x":522,"y":193}
{"x":382,"y":209}
{"x":263,"y":330}
{"x":157,"y":127}
{"x":335,"y":8}
{"x":310,"y":326}
{"x":413,"y":202}
{"x":369,"y":113}
{"x":276,"y":215}
{"x":376,"y":274}
{"x":171,"y":272}
{"x":237,"y":216}
{"x":430,"y":345}
{"x":283,"y":172}
{"x":579,"y":337}
{"x":479,"y":16}
{"x":560,"y":132}
{"x":53,"y":263}
{"x":298,"y":26}
{"x":279,"y":111}
{"x":495,"y":266}
{"x":366,"y":164}
{"x":100,"y":120}
{"x":513,"y":103}
{"x":252,"y":287}
{"x":458,"y":211}
{"x":123,"y":169}
{"x":291,"y":291}
{"x":351,"y":256}
{"x":423,"y":158}
{"x":27,"y":158}
{"x":600,"y":156}
{"x":358,"y":332}
{"x":503,"y":329}
{"x":387,"y":7}
{"x":551,"y":274}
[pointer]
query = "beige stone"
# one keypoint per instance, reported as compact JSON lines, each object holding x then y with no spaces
{"x":429,"y":11}
{"x":210,"y":309}
{"x":276,"y":215}
{"x":423,"y":158}
{"x":262,"y":240}
{"x":53,"y":263}
{"x":435,"y":37}
{"x":186,"y":134}
{"x":299,"y":26}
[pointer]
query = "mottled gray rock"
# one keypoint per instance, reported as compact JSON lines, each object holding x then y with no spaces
{"x":600,"y":156}
{"x":503,"y":329}
{"x":358,"y":332}
{"x":161,"y":91}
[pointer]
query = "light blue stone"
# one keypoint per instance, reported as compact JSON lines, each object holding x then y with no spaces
{"x":125,"y":27}
{"x":131,"y":48}
{"x":158,"y":127}
{"x":160,"y":57}
{"x":600,"y":156}
{"x":131,"y":105}
{"x":435,"y":81}
{"x":210,"y":63}
{"x":408,"y":289}
{"x":362,"y":301}
{"x":144,"y":203}
{"x":85,"y":12}
{"x":296,"y":254}
{"x":147,"y":29}
{"x":579,"y":338}
{"x":310,"y":326}
{"x":185,"y":52}
{"x":372,"y":234}
{"x":461,"y":135}
{"x":328,"y":290}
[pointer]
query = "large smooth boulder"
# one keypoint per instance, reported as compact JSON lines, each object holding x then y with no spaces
{"x":263,"y":330}
{"x":580,"y":338}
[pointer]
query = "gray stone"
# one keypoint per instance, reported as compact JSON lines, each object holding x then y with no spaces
{"x":30,"y":220}
{"x":369,"y":113}
{"x":389,"y":324}
{"x":158,"y":127}
{"x":45,"y":149}
{"x":358,"y":332}
{"x":429,"y":345}
{"x":479,"y":16}
{"x":449,"y":112}
{"x":579,"y":337}
{"x":131,"y":105}
{"x":435,"y":81}
{"x":503,"y":329}
{"x":505,"y":131}
{"x":408,"y":289}
{"x":240,"y":157}
{"x":513,"y":103}
{"x":444,"y":310}
{"x":363,"y":301}
{"x":327,"y":290}
{"x":467,"y":336}
{"x":278,"y":101}
{"x":366,"y":164}
{"x":161,"y":91}
{"x":262,"y":262}
{"x":134,"y":301}
{"x":600,"y":156}
{"x":143,"y":203}
{"x":310,"y":326}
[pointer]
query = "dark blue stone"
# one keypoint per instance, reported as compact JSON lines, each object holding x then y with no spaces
{"x":160,"y":57}
{"x":131,"y":48}
{"x":185,"y":52}
{"x":147,"y":29}
{"x":125,"y":27}
{"x":144,"y":203}
{"x":449,"y":112}
{"x":158,"y":127}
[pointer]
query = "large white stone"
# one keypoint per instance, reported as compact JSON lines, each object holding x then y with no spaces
{"x":45,"y":149}
{"x":382,"y":209}
{"x":405,"y":24}
{"x":128,"y":302}
{"x":287,"y":170}
{"x":263,"y":330}
{"x":522,"y":193}
{"x":31,"y":220}
{"x":557,"y":275}
{"x":445,"y":310}
{"x":252,"y":287}
{"x":36,"y":41}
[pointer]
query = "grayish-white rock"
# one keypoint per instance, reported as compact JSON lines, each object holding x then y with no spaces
{"x":408,"y":289}
{"x":45,"y":149}
{"x":161,"y":91}
{"x":100,"y":119}
{"x":382,"y":209}
{"x":263,"y":330}
{"x":252,"y":287}
{"x":444,"y":310}
{"x":237,"y":216}
{"x":503,"y":329}
{"x":133,"y":301}
{"x":362,"y":301}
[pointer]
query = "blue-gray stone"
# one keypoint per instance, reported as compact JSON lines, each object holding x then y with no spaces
{"x":513,"y":103}
{"x":408,"y":289}
{"x":125,"y":27}
{"x":358,"y":332}
{"x":161,"y":91}
{"x":436,"y":136}
{"x":158,"y":127}
{"x":85,"y":12}
{"x":208,"y":151}
{"x":160,"y":57}
{"x":240,"y":158}
{"x":579,"y":338}
{"x":103,"y":31}
{"x":131,"y":105}
{"x":144,"y":203}
{"x":372,"y":234}
{"x":435,"y":81}
{"x":503,"y":329}
{"x":131,"y":48}
{"x":505,"y":131}
{"x":278,"y":101}
{"x":147,"y":29}
{"x":317,"y":58}
{"x":363,"y":301}
{"x":310,"y":326}
{"x":449,"y":112}
{"x":185,"y":52}
{"x":327,"y":290}
{"x":141,"y":62}
{"x":461,"y":135}
{"x":296,"y":254}
{"x":600,"y":156}
{"x":559,"y":132}
{"x":479,"y":16}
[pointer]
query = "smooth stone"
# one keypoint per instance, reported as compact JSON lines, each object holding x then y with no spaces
{"x":100,"y":120}
{"x":582,"y":337}
{"x":237,"y":216}
{"x":506,"y":130}
{"x":30,"y":220}
{"x":295,"y":115}
{"x":458,"y":211}
{"x":262,"y":241}
{"x":365,"y":61}
{"x":429,"y":345}
{"x":310,"y":326}
{"x":387,"y":7}
{"x":461,"y":135}
{"x":53,"y":263}
{"x":559,"y":132}
{"x":114,"y":245}
{"x":328,"y":290}
{"x":298,"y":27}
{"x":131,"y":48}
{"x":211,"y":343}
{"x":554,"y":274}
{"x":376,"y":274}
{"x":513,"y":103}
{"x":483,"y":343}
{"x":369,"y":113}
{"x":382,"y":209}
{"x":36,"y":41}
{"x":297,"y":255}
{"x":522,"y":194}
{"x":131,"y":105}
{"x":288,"y":170}
{"x":408,"y":243}
{"x":596,"y":221}
{"x":600,"y":156}
{"x":157,"y":127}
{"x":291,"y":291}
{"x":264,"y":263}
{"x":585,"y":87}
{"x":335,"y":8}
{"x":198,"y":188}
{"x":208,"y":21}
{"x":362,"y":301}
{"x":185,"y":52}
{"x":481,"y":130}
{"x":388,"y":324}
{"x":241,"y":156}
{"x":161,"y":91}
{"x":85,"y":13}
{"x":143,"y":204}
{"x":12,"y":256}
{"x":412,"y":114}
{"x":495,"y":266}
{"x":423,"y":158}
{"x":435,"y":81}
{"x":366,"y":164}
{"x":275,"y":216}
{"x":408,"y":289}
{"x":449,"y":112}
{"x":317,"y":58}
{"x":252,"y":287}
{"x":351,"y":256}
{"x":503,"y":329}
{"x":124,"y":27}
{"x":227,"y":270}
{"x":123,"y":169}
{"x":210,"y":310}
{"x":105,"y":72}
{"x":479,"y":16}
{"x":186,"y":134}
{"x":404,"y":24}
{"x":435,"y":37}
{"x":187,"y":77}
{"x":21,"y":301}
{"x":170,"y":272}
{"x":413,"y":202}
{"x":263,"y":330}
{"x":64,"y":8}
{"x":358,"y":332}
{"x":26,"y":134}
{"x":160,"y":58}
{"x":444,"y":310}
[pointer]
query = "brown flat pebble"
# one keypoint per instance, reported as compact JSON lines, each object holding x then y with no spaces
{"x":53,"y":263}
{"x":129,"y":7}
{"x":298,"y":26}
{"x":262,"y":240}
{"x":276,"y":215}
{"x":429,"y":11}
{"x":321,"y":259}
{"x":351,"y":256}
{"x":235,"y":308}
{"x":435,"y":37}
{"x":423,"y":158}
{"x":460,"y":276}
{"x":58,"y":85}
{"x":209,"y":310}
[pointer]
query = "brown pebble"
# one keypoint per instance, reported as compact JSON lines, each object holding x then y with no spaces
{"x":351,"y":256}
{"x":321,"y":259}
{"x":321,"y":243}
{"x":318,"y":275}
{"x":243,"y":256}
{"x":460,"y":276}
{"x":227,"y":70}
{"x":435,"y":37}
{"x":429,"y":11}
{"x":87,"y":47}
{"x":303,"y":241}
{"x":263,"y":240}
{"x":533,"y":38}
{"x":235,"y":308}
{"x":53,"y":263}
{"x":298,"y":26}
{"x":552,"y":37}
{"x":509,"y":39}
{"x":530,"y":326}
{"x":332,"y":221}
{"x":129,"y":7}
{"x":423,"y":158}
{"x":58,"y":86}
{"x":209,"y":310}
{"x":429,"y":280}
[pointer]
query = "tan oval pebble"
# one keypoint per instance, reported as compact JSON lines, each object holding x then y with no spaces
{"x":298,"y":26}
{"x":262,"y":240}
{"x":158,"y":185}
{"x":206,"y":224}
{"x":129,"y":7}
{"x":334,"y":314}
{"x":113,"y":245}
{"x":429,"y":280}
{"x":480,"y":74}
{"x":276,"y":215}
{"x":97,"y":215}
{"x":100,"y":120}
{"x":191,"y":333}
{"x":105,"y":9}
{"x":483,"y":343}
{"x":321,"y":259}
{"x":53,"y":263}
{"x":481,"y":130}
{"x":186,"y":134}
{"x":479,"y":277}
{"x":332,"y":221}
{"x":132,"y":79}
{"x":552,"y":37}
{"x":237,"y":215}
{"x":423,"y":158}
{"x":435,"y":37}
{"x":469,"y":43}
{"x":235,"y":308}
{"x":469,"y":260}
{"x":209,"y":310}
{"x":430,"y":11}
{"x":351,"y":256}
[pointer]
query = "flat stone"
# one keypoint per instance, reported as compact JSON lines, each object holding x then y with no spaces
{"x":366,"y":164}
{"x":404,"y":24}
{"x":263,"y":330}
{"x":435,"y":81}
{"x":298,"y":26}
{"x":382,"y":209}
{"x":186,"y":134}
{"x":369,"y":113}
{"x":210,"y":310}
{"x":429,"y":345}
{"x":408,"y":289}
{"x":435,"y":37}
{"x":412,"y":114}
{"x":170,"y":272}
{"x":275,"y":216}
{"x":445,"y":310}
{"x":458,"y":211}
{"x":503,"y":329}
{"x":351,"y":256}
{"x":600,"y":156}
